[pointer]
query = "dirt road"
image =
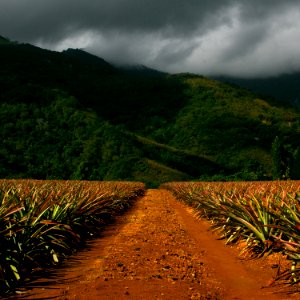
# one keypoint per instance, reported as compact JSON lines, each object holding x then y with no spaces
{"x":158,"y":251}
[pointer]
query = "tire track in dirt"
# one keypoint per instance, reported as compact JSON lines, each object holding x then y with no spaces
{"x":156,"y":251}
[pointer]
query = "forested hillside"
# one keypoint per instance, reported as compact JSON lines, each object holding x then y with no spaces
{"x":284,"y":88}
{"x":72,"y":115}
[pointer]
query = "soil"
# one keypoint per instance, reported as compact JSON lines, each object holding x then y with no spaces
{"x":159,"y":250}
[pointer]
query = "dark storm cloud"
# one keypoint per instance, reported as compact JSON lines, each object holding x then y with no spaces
{"x":247,"y":38}
{"x":54,"y":16}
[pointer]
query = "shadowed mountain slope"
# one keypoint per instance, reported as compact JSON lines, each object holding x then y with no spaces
{"x":72,"y":115}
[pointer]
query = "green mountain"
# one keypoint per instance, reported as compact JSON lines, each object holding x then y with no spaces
{"x":72,"y":115}
{"x":284,"y":87}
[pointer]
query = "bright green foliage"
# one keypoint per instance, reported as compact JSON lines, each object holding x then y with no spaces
{"x":263,"y":217}
{"x":41,"y":222}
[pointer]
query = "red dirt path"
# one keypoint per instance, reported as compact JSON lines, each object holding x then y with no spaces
{"x":158,"y":250}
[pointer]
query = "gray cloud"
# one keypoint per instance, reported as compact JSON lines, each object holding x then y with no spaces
{"x":237,"y":37}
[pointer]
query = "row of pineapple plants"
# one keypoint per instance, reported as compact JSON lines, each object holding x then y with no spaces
{"x":43,"y":222}
{"x":262,"y":217}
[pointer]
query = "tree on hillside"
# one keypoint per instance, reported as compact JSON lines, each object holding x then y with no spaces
{"x":295,"y":172}
{"x":276,"y":158}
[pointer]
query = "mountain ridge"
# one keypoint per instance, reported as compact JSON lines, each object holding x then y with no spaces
{"x":283,"y":87}
{"x":73,"y":115}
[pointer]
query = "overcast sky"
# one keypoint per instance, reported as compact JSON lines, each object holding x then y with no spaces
{"x":211,"y":37}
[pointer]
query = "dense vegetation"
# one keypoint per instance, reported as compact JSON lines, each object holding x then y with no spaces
{"x":43,"y":222}
{"x":261,"y":217}
{"x":284,"y":87}
{"x":71,"y":115}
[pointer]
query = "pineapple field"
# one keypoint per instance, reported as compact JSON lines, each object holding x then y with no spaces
{"x":188,"y":240}
{"x":261,"y":217}
{"x":42,"y":222}
{"x":140,"y":190}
